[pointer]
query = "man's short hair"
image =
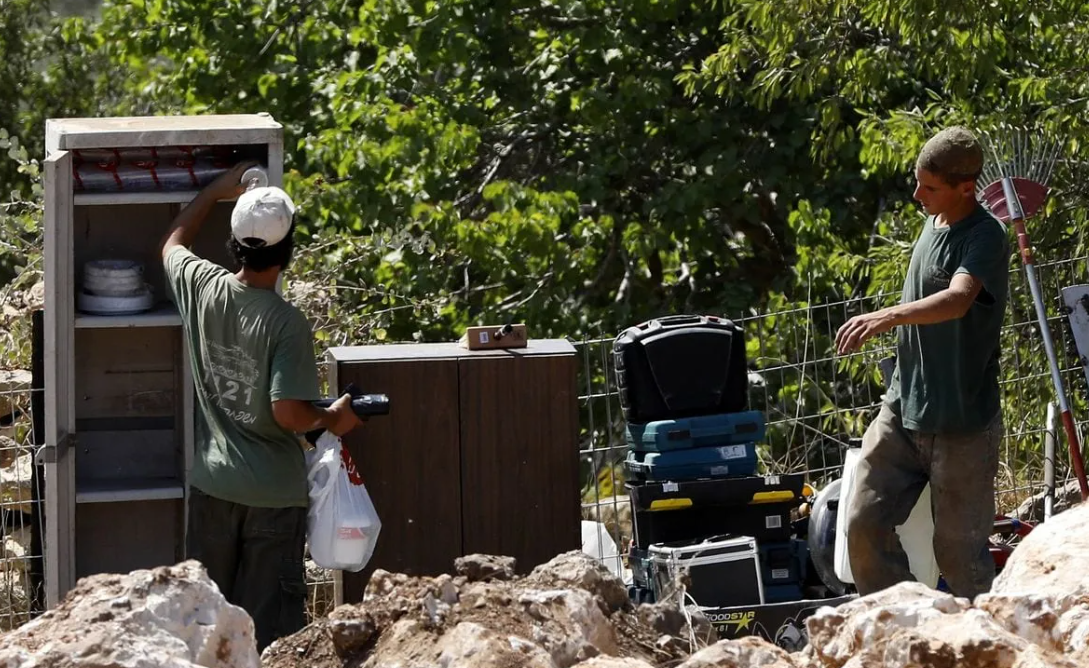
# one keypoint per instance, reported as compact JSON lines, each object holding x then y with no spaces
{"x":266,"y":257}
{"x":954,"y":155}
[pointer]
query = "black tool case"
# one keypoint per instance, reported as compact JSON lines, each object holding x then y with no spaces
{"x":681,"y":366}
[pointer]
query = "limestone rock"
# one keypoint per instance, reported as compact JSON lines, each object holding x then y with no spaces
{"x":471,"y":645}
{"x":9,"y":449}
{"x":1043,"y":593}
{"x":484,"y":567}
{"x":15,"y":386}
{"x":578,"y":569}
{"x":34,"y":298}
{"x":747,"y":652}
{"x":1050,"y":561}
{"x":613,"y":662}
{"x":965,"y":640}
{"x":859,"y":627}
{"x":570,"y":625}
{"x":15,"y":483}
{"x":168,"y":617}
{"x":467,"y":645}
{"x":16,"y":548}
{"x":351,"y":628}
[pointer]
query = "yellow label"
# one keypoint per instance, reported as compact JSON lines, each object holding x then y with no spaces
{"x":772,"y":497}
{"x":670,"y":504}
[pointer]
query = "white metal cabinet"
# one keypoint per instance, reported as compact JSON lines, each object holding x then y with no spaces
{"x":119,"y":392}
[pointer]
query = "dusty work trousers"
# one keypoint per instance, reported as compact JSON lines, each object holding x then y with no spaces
{"x":895,"y":465}
{"x":255,"y":557}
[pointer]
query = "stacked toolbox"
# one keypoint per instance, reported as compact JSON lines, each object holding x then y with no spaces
{"x":691,"y":465}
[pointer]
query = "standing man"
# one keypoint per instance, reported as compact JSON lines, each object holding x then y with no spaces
{"x":941,"y":421}
{"x":255,"y":377}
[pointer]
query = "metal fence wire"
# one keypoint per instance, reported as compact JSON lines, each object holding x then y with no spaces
{"x":21,"y":562}
{"x":817,"y":404}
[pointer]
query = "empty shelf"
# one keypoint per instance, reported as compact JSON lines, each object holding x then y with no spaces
{"x":128,"y":489}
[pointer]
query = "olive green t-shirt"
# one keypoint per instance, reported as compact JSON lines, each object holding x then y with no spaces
{"x":248,"y":348}
{"x":946,"y":378}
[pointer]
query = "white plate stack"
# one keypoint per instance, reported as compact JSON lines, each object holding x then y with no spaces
{"x":114,"y":287}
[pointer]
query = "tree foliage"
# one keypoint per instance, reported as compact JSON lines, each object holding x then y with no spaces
{"x":580,"y":165}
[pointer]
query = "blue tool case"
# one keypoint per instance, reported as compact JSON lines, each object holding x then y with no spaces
{"x":696,"y":432}
{"x":716,"y":462}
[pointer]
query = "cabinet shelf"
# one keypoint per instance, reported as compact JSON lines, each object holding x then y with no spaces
{"x":165,"y":315}
{"x":129,"y":489}
{"x":151,"y":197}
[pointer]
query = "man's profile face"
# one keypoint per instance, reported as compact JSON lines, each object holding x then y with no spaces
{"x":937,"y":196}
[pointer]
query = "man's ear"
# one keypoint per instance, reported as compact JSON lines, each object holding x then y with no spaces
{"x":967,"y":188}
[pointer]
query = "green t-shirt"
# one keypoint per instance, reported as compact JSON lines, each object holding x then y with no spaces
{"x":946,"y":378}
{"x":248,"y":348}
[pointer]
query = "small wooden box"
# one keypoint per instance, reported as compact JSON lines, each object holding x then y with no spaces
{"x":493,"y":337}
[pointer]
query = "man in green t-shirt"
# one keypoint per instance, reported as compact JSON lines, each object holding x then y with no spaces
{"x":255,"y":378}
{"x":941,"y":421}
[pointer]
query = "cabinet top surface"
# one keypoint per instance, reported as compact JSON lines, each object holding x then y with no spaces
{"x":391,"y":351}
{"x":134,"y":130}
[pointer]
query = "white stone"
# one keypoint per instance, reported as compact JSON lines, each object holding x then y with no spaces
{"x":172,"y":617}
{"x":1051,"y":560}
{"x":613,"y":662}
{"x":15,"y":484}
{"x":572,"y":626}
{"x":749,"y":652}
{"x":838,"y":634}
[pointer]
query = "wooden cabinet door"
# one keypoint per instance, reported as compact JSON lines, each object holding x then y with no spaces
{"x":409,"y":461}
{"x":519,"y":456}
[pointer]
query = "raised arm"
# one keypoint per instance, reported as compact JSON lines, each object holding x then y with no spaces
{"x":189,"y":220}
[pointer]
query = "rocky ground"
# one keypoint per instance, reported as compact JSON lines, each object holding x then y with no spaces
{"x":571,"y":612}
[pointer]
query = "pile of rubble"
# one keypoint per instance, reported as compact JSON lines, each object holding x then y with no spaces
{"x":571,"y":613}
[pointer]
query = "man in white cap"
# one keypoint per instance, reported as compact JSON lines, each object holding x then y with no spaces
{"x":255,"y":378}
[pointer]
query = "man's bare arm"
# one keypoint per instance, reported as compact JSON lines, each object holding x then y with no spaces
{"x":948,"y":304}
{"x":302,"y":416}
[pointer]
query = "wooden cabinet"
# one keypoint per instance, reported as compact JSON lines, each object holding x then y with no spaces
{"x":478,"y":454}
{"x":119,"y":394}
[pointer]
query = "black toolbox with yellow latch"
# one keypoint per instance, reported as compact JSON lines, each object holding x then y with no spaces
{"x":756,"y":506}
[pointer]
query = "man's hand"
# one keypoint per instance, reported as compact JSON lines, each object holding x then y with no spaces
{"x":303,"y":416}
{"x":344,"y":418}
{"x":190,"y":219}
{"x":228,"y":185}
{"x":862,"y":328}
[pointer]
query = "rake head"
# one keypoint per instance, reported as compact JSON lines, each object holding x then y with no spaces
{"x":1027,"y":159}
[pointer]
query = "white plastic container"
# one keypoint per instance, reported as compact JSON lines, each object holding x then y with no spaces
{"x":916,"y":534}
{"x":353,"y":542}
{"x":254,"y":177}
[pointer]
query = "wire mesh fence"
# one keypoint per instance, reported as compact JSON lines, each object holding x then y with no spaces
{"x":21,"y":562}
{"x":817,"y":404}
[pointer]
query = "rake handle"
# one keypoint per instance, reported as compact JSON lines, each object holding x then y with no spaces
{"x":1013,"y":204}
{"x":1023,"y":242}
{"x":1079,"y":467}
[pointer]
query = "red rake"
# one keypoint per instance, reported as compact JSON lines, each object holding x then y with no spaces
{"x":1014,"y":187}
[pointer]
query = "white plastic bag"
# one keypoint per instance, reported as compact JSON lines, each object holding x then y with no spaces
{"x":342,"y":525}
{"x":597,"y":543}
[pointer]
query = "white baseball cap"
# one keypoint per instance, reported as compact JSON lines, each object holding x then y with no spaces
{"x":262,"y":217}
